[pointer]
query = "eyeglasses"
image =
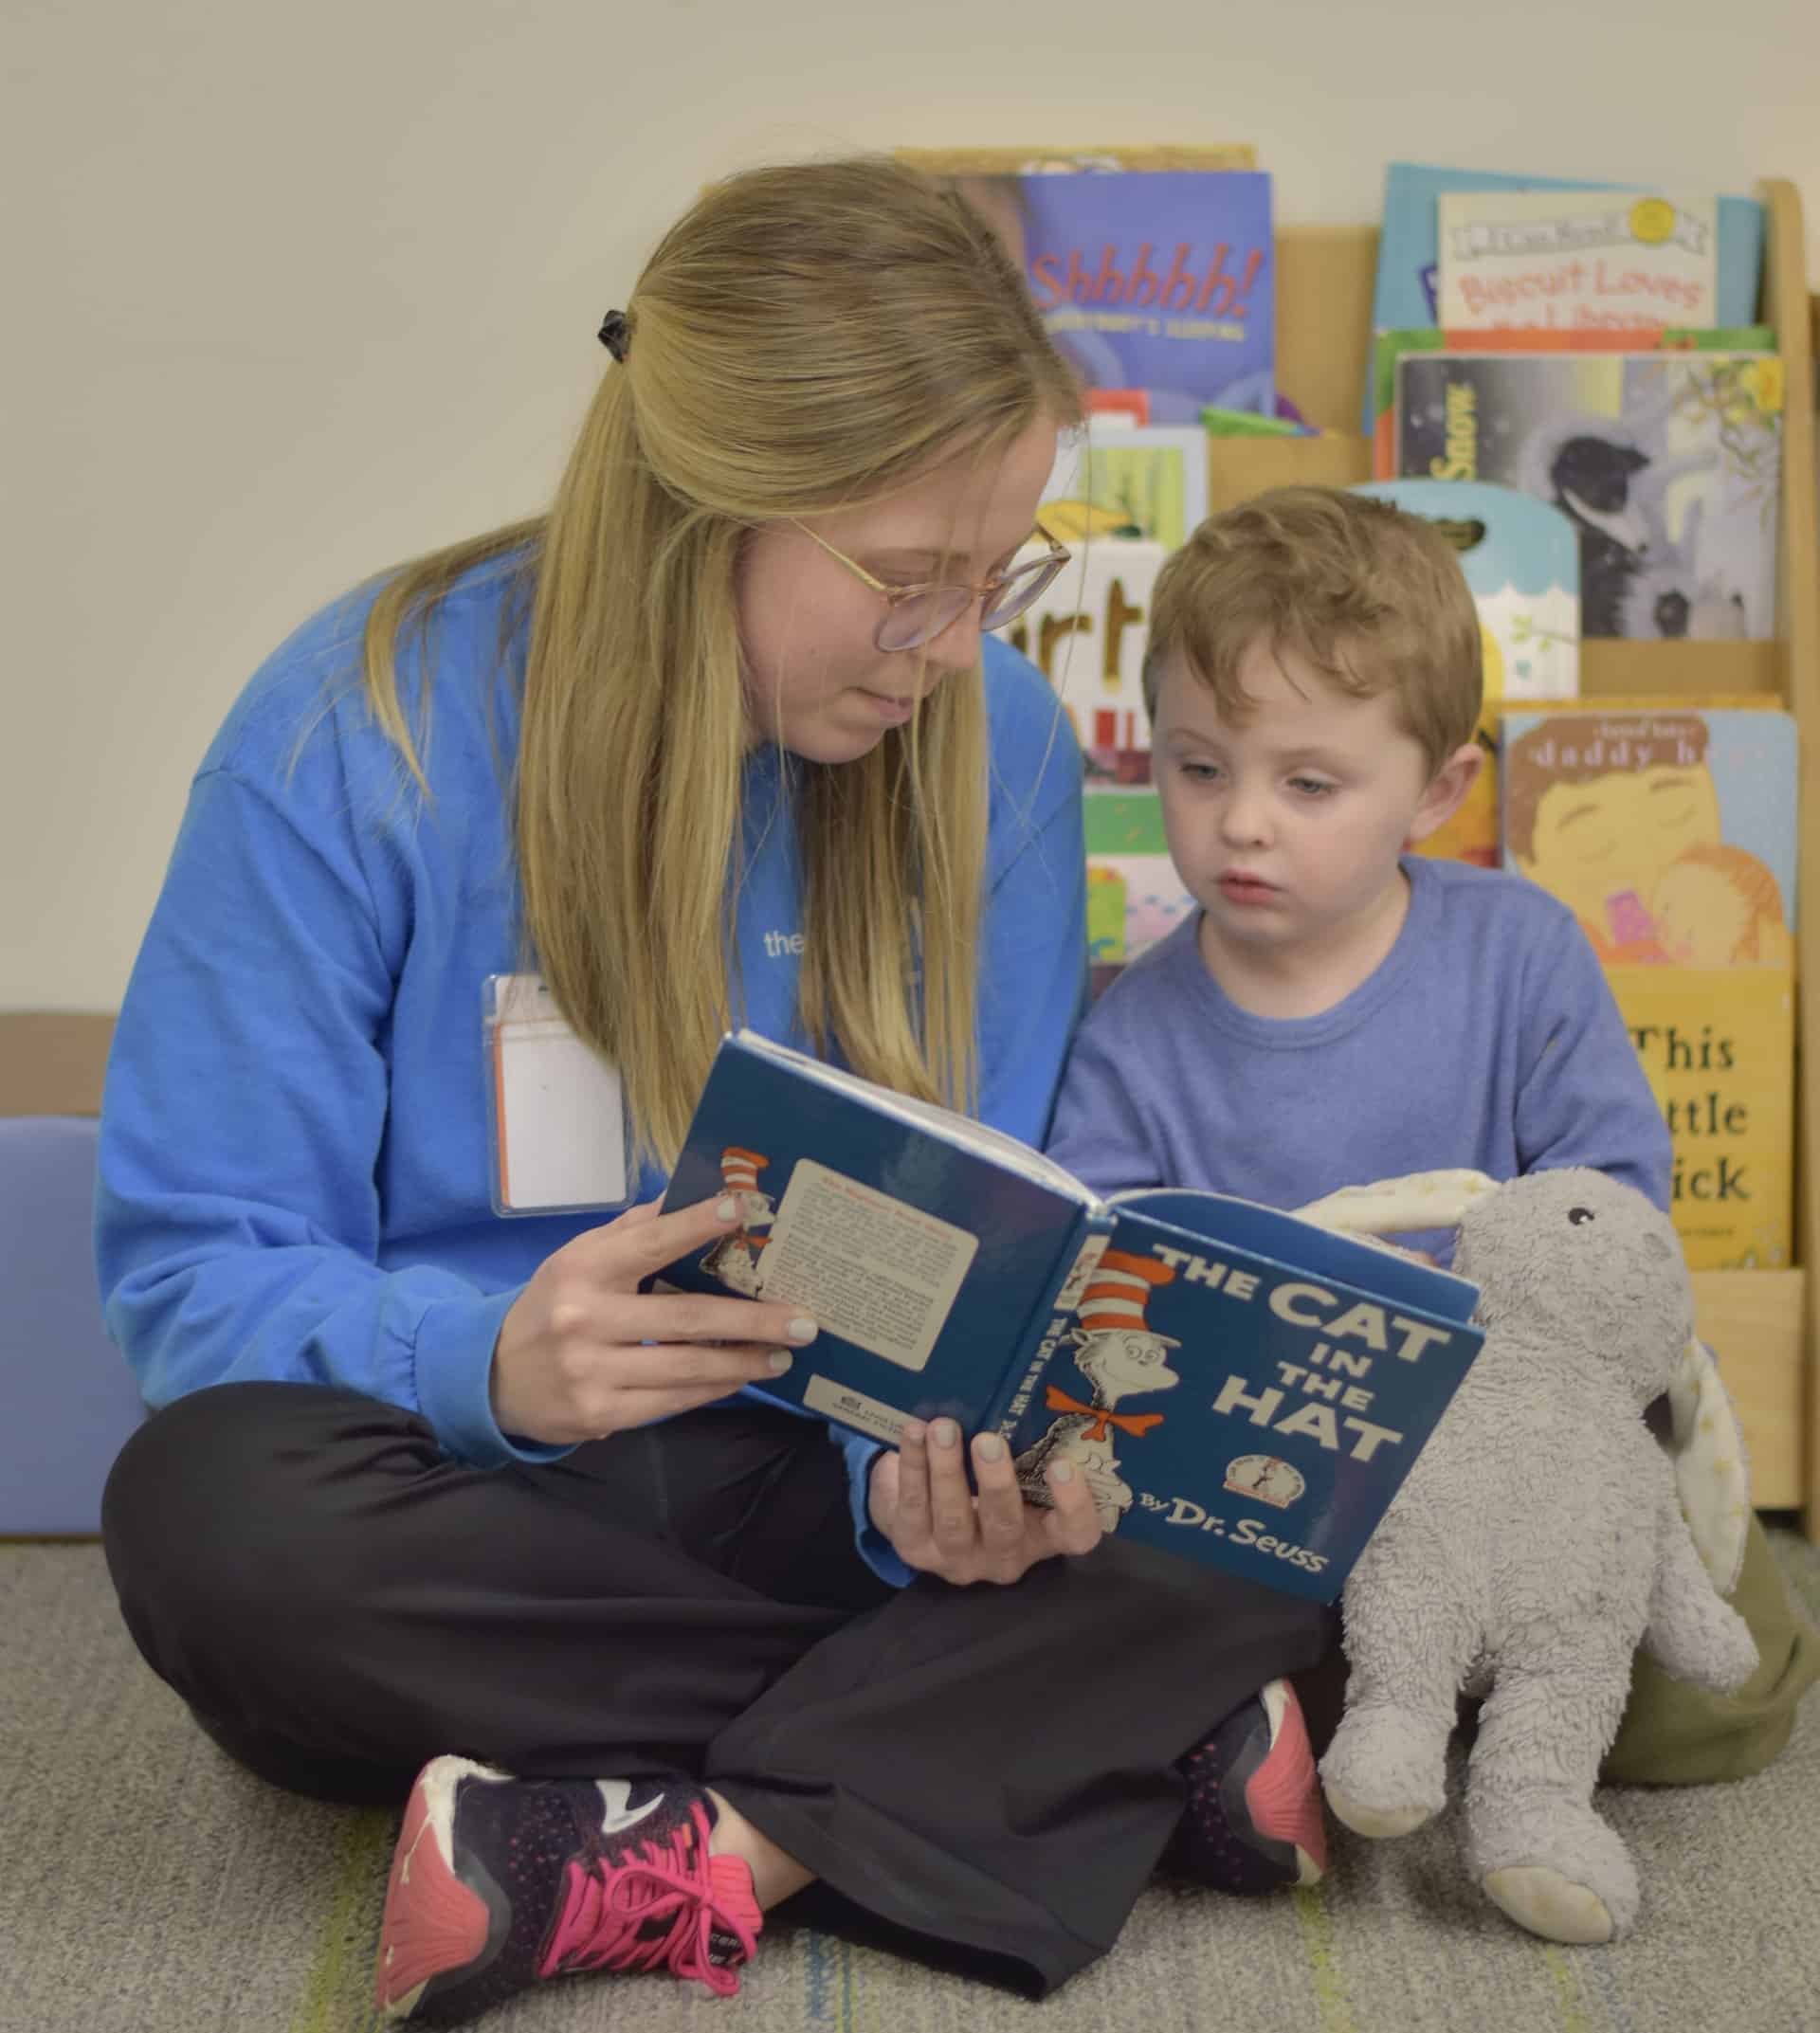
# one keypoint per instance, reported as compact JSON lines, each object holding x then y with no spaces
{"x":916,"y":614}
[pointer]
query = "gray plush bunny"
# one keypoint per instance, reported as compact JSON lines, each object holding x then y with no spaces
{"x":1538,"y":1540}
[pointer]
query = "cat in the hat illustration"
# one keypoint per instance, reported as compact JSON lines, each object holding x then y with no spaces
{"x":735,"y":1258}
{"x":1120,"y":1355}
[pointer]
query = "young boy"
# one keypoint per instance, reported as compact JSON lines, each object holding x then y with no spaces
{"x":1337,"y":1011}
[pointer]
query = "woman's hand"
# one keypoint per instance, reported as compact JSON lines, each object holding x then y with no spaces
{"x":583,"y":1352}
{"x":919,"y":1499}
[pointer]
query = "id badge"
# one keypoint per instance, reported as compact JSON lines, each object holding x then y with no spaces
{"x":556,"y":1118}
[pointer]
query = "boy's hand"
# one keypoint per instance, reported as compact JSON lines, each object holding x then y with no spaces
{"x":919,"y":1499}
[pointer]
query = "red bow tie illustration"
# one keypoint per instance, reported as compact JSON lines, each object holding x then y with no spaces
{"x":1135,"y":1424}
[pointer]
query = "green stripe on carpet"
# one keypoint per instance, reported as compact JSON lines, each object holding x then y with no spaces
{"x":339,"y":1992}
{"x":1319,"y":1945}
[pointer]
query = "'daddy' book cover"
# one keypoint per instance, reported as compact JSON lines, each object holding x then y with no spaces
{"x":1670,"y":831}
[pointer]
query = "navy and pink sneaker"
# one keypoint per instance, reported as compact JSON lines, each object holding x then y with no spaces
{"x":1253,"y":1822}
{"x":498,"y":1884}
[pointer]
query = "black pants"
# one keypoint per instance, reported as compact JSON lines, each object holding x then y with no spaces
{"x":989,"y":1771}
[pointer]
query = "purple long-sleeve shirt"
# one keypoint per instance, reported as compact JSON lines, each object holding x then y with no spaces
{"x":1487,"y":1038}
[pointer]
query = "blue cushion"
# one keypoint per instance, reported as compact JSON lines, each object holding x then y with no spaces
{"x":68,"y":1399}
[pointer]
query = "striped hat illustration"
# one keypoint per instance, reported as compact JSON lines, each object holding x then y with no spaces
{"x":741,"y":1169}
{"x":1118,"y":1291}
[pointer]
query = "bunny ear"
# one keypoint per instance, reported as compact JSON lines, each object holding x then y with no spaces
{"x":1391,"y":1207}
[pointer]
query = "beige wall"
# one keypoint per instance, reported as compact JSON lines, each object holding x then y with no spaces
{"x":291,"y":292}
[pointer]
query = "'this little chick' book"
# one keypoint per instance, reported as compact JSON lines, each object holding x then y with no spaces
{"x":1232,"y":1383}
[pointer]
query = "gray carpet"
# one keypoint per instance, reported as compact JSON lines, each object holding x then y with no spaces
{"x":147,"y":1884}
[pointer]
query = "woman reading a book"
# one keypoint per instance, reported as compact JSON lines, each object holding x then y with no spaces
{"x":446,"y":1503}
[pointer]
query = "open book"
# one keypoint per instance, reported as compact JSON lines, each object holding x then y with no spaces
{"x":1232,"y":1383}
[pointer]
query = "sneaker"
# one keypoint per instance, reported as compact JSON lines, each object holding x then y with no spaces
{"x":1253,"y":1819}
{"x":499,"y":1882}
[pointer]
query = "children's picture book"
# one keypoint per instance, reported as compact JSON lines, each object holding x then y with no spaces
{"x":1157,"y":281}
{"x":1718,"y":1052}
{"x":1123,"y":497}
{"x":1407,"y":290}
{"x":1520,"y":558}
{"x":1135,"y":897}
{"x":1012,"y":161}
{"x":1667,"y":464}
{"x":1087,"y":633}
{"x":1670,"y":831}
{"x":1388,"y":348}
{"x":1119,"y":479}
{"x":1232,"y":1383}
{"x":1576,"y":260}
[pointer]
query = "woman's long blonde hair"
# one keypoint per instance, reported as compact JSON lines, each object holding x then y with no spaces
{"x":804,"y":338}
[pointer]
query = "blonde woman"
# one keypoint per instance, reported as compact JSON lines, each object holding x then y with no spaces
{"x":719,"y":739}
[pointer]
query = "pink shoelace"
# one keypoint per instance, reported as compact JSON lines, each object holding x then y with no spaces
{"x":606,"y":1906}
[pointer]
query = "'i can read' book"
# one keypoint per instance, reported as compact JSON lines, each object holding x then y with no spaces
{"x":1232,"y":1384}
{"x":1670,"y":831}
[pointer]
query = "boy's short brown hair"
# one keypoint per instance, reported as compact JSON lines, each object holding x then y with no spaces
{"x":1371,"y":596}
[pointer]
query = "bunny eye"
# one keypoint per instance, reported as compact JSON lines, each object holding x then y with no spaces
{"x":1577,"y":1215}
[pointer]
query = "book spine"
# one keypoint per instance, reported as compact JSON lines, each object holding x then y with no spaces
{"x":1059,"y":1301}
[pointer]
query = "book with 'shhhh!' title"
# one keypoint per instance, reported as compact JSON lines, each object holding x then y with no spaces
{"x":1232,"y":1383}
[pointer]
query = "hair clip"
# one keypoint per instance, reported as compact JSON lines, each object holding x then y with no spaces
{"x":617,"y":333}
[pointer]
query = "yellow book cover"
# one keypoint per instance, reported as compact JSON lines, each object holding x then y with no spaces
{"x":1668,"y":827}
{"x":1718,"y":1045}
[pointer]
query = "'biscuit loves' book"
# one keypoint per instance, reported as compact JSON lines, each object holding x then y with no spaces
{"x":1232,"y":1383}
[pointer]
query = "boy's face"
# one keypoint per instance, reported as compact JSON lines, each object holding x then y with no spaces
{"x":1288,"y":826}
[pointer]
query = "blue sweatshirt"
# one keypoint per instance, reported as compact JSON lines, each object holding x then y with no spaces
{"x":294,"y":1172}
{"x":1487,"y":1038}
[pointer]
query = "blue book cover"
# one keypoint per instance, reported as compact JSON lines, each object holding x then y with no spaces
{"x":1409,"y":248}
{"x":1162,"y":281}
{"x":1281,"y":1377}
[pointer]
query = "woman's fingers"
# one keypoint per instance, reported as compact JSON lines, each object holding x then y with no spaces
{"x":909,"y":1527}
{"x":637,"y":1245}
{"x":1001,"y":1510}
{"x":1072,"y":1525}
{"x":923,"y":1501}
{"x":635,"y":1407}
{"x":951,"y":1502}
{"x":689,"y":1365}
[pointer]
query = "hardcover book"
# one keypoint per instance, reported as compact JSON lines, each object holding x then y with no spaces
{"x":1718,"y":1052}
{"x":1407,"y":289}
{"x":1161,"y":282}
{"x":1576,"y":260}
{"x":1522,"y":563}
{"x":1135,"y":897}
{"x":1233,"y":1384}
{"x":1388,"y":348}
{"x":1670,"y":831}
{"x":1123,"y":497}
{"x":1667,"y":464}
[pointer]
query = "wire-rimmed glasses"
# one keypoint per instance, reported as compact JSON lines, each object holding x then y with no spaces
{"x":916,"y":614}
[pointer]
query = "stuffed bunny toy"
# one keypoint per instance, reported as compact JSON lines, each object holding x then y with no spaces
{"x":1538,"y":1540}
